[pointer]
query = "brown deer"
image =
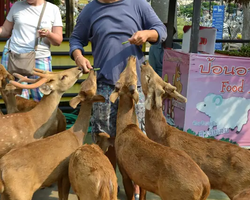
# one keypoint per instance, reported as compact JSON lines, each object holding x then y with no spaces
{"x":167,"y":172}
{"x":225,"y":164}
{"x":15,"y":104}
{"x":91,"y":174}
{"x":21,"y":173}
{"x":18,"y":129}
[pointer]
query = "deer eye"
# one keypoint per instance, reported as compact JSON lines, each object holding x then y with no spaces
{"x":205,"y":105}
{"x":148,"y":78}
{"x":63,"y":77}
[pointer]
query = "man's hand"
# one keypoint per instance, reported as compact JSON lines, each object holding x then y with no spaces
{"x":83,"y":62}
{"x":139,"y":38}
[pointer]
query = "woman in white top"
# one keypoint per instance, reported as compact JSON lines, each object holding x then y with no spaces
{"x":21,"y":24}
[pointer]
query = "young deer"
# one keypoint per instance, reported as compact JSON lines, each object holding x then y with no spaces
{"x":225,"y":164}
{"x":167,"y":172}
{"x":18,"y":129}
{"x":91,"y":174}
{"x":21,"y":173}
{"x":15,"y":104}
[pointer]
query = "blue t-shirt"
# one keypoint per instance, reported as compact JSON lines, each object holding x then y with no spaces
{"x":106,"y":26}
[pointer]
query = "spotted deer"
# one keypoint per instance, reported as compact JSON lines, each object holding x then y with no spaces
{"x":18,"y":129}
{"x":15,"y":104}
{"x":225,"y":164}
{"x":21,"y":171}
{"x":167,"y":172}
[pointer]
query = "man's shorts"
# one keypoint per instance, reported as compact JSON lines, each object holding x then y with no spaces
{"x":105,"y":114}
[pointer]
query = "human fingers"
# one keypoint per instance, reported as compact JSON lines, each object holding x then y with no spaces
{"x":83,"y":63}
{"x":136,"y":38}
{"x":89,"y":65}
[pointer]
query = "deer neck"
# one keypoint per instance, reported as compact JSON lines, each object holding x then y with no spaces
{"x":126,"y":113}
{"x":80,"y":128}
{"x":46,"y":107}
{"x":155,"y":124}
{"x":10,"y":102}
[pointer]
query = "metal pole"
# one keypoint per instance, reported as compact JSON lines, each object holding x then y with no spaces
{"x":171,"y":18}
{"x":195,"y":26}
{"x":209,"y":9}
{"x":69,"y":17}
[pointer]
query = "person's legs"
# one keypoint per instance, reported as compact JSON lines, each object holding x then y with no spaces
{"x":140,"y":113}
{"x":104,"y":118}
{"x":43,"y":64}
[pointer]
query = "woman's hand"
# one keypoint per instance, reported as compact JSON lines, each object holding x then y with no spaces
{"x":54,"y":36}
{"x":43,"y":32}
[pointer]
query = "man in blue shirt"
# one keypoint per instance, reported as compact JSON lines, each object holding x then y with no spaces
{"x":107,"y":24}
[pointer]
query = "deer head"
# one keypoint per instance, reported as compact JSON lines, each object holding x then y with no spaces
{"x":87,"y":91}
{"x":155,"y":89}
{"x":103,"y":140}
{"x":52,"y":81}
{"x":127,"y":82}
{"x":4,"y":75}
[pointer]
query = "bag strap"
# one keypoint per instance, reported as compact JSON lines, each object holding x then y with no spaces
{"x":38,"y":24}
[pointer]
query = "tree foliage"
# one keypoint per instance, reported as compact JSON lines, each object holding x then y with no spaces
{"x":188,"y":9}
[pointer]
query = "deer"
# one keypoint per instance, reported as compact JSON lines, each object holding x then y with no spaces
{"x":225,"y":164}
{"x":91,"y":174}
{"x":15,"y":104}
{"x":167,"y":172}
{"x":18,"y":129}
{"x":55,"y":151}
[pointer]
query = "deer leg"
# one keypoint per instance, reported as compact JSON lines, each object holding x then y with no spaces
{"x":63,"y":187}
{"x":142,"y":194}
{"x":127,"y":183}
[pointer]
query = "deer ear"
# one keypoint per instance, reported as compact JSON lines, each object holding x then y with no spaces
{"x":114,"y":95}
{"x":98,"y":98}
{"x":75,"y":101}
{"x":45,"y":89}
{"x":158,"y":97}
{"x":136,"y":97}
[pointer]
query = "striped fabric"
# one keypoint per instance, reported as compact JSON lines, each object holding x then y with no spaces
{"x":41,"y":63}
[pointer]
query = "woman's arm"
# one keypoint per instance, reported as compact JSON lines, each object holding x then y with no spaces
{"x":55,"y":36}
{"x":6,"y":29}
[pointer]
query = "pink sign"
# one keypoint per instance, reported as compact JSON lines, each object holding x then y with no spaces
{"x":218,"y":92}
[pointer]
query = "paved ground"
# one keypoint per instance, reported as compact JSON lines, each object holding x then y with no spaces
{"x":52,"y":194}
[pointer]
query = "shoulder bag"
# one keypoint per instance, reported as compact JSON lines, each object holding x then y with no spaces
{"x":24,"y":63}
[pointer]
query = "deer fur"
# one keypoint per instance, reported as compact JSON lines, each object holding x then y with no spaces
{"x":167,"y":172}
{"x":91,"y":174}
{"x":225,"y":164}
{"x":21,"y":173}
{"x":15,"y":104}
{"x":18,"y":129}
